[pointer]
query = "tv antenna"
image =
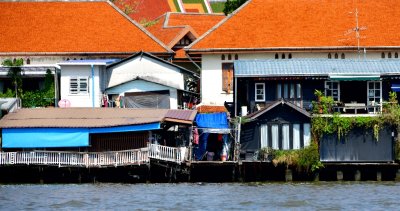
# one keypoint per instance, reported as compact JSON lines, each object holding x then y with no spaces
{"x":357,"y":31}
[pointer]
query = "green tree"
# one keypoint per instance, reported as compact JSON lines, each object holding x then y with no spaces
{"x":15,"y":73}
{"x":232,"y":5}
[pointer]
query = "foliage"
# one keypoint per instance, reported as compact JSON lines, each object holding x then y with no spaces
{"x":15,"y":73}
{"x":324,"y":104}
{"x":40,"y":98}
{"x":147,"y":23}
{"x":8,"y":94}
{"x":266,"y":154}
{"x":232,"y":5}
{"x":306,"y":159}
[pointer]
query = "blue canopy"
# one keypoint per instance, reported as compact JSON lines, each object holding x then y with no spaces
{"x":396,"y":87}
{"x":61,"y":137}
{"x":215,"y":120}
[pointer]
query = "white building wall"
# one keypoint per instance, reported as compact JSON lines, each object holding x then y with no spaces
{"x":81,"y":100}
{"x":211,"y":73}
{"x":145,"y":86}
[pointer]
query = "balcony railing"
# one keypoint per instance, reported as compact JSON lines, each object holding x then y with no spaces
{"x":172,"y":154}
{"x":75,"y":159}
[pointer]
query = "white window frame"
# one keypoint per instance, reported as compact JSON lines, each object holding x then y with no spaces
{"x":79,"y":90}
{"x":257,"y":95}
{"x":328,"y":86}
{"x":373,"y":95}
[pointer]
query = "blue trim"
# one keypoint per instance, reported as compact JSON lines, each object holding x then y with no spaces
{"x":45,"y":137}
{"x":130,"y":128}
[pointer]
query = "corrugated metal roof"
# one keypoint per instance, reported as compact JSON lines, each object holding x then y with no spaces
{"x":88,"y":117}
{"x":187,"y":115}
{"x":314,"y":67}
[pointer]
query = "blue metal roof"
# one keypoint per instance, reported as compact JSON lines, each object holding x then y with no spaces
{"x":315,"y":67}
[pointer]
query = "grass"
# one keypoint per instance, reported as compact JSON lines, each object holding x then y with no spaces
{"x":218,"y":7}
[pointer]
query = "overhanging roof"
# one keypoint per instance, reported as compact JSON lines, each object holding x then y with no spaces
{"x":91,"y":117}
{"x":315,"y":67}
{"x":256,"y":114}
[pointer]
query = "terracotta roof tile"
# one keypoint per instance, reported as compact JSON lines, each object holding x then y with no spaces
{"x":261,"y":24}
{"x":89,"y":117}
{"x":62,"y":27}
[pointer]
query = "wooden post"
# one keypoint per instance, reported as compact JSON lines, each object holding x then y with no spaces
{"x":288,"y":175}
{"x":378,"y":176}
{"x":357,"y":175}
{"x":339,"y":175}
{"x":316,"y":177}
{"x":397,"y":175}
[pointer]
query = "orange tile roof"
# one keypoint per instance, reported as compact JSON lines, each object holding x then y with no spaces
{"x":271,"y":24}
{"x":65,"y":27}
{"x":171,"y":27}
{"x":164,"y":33}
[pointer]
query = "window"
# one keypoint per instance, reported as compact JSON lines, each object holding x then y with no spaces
{"x":336,"y":56}
{"x":374,"y":92}
{"x":329,"y":56}
{"x":306,"y":134}
{"x":396,"y":55}
{"x":332,"y":88}
{"x":264,"y":135}
{"x":259,"y":92}
{"x":227,"y":77}
{"x":389,"y":55}
{"x":296,"y":136}
{"x":383,"y":55}
{"x":275,"y":136}
{"x":285,"y":137}
{"x":229,"y":57}
{"x":290,"y":92}
{"x":236,"y":57}
{"x":223,"y":57}
{"x":78,"y":85}
{"x":283,"y":56}
{"x":290,"y":56}
{"x":276,"y":56}
{"x":28,"y":61}
{"x":342,"y":56}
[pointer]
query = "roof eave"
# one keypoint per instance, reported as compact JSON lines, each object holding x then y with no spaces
{"x":288,"y":49}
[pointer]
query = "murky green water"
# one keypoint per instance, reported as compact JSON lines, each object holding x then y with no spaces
{"x":203,"y":196}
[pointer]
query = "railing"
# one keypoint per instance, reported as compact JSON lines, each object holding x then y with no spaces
{"x":172,"y":154}
{"x":77,"y":159}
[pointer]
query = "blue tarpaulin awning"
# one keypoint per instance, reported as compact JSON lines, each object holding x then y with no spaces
{"x":45,"y":137}
{"x":61,"y":137}
{"x":216,"y":121}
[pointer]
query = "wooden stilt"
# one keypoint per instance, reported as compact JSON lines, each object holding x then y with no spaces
{"x":357,"y":175}
{"x":339,"y":175}
{"x":288,"y":175}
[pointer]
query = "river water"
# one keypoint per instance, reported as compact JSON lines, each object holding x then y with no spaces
{"x":203,"y":196}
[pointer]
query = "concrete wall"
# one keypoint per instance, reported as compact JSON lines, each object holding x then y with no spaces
{"x":81,"y":100}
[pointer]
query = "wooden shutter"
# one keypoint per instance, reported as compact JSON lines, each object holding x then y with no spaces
{"x":227,"y":77}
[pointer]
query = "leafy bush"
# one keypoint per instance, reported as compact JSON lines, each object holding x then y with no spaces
{"x":306,"y":159}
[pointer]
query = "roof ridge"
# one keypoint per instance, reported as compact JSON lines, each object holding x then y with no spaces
{"x":195,"y":13}
{"x":218,"y":25}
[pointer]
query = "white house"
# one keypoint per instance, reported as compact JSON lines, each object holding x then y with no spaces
{"x":144,"y":80}
{"x":140,"y":81}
